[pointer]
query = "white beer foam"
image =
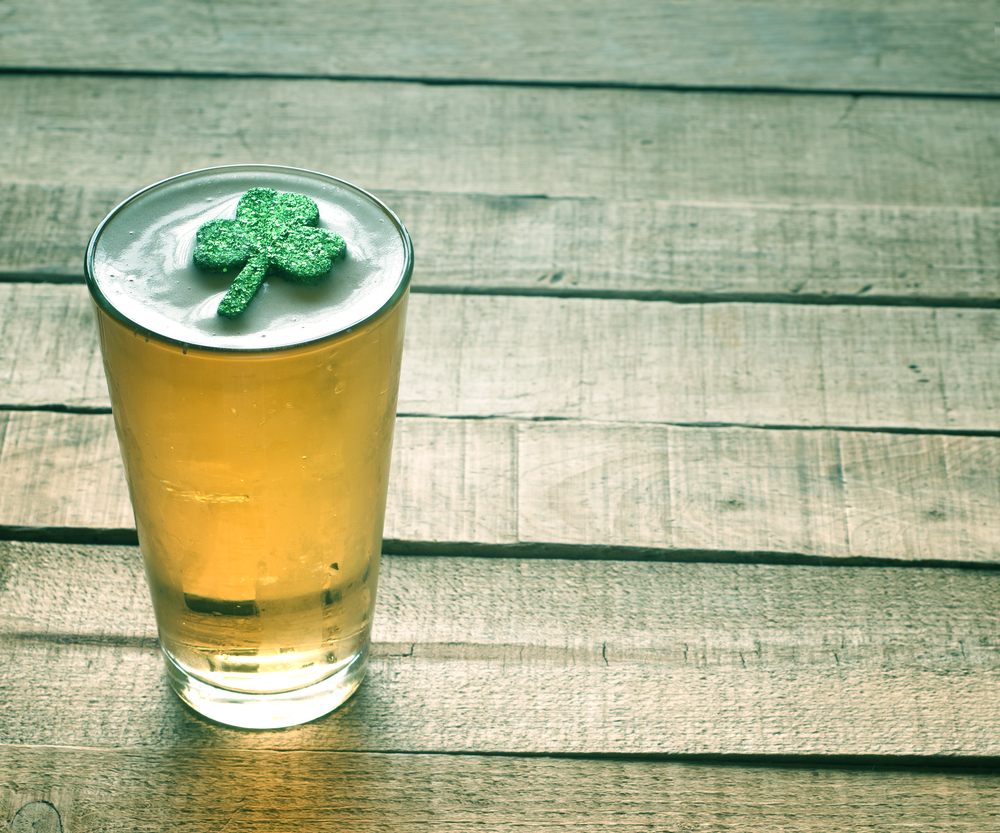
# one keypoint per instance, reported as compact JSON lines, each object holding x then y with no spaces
{"x":140,"y":262}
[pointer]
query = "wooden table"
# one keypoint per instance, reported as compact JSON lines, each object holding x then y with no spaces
{"x":695,"y":513}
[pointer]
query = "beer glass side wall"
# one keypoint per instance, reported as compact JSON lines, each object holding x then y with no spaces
{"x":258,"y":483}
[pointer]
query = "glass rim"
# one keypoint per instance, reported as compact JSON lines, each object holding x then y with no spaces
{"x":105,"y":304}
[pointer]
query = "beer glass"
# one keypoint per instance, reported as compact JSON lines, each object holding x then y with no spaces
{"x":256,"y":447}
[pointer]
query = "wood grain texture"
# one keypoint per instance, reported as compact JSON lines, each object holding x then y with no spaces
{"x":49,"y":337}
{"x":612,"y":144}
{"x":453,"y":480}
{"x":611,"y":360}
{"x":845,"y":45}
{"x":62,"y":473}
{"x":714,"y":491}
{"x":561,"y":657}
{"x":637,"y":161}
{"x":929,"y":471}
{"x":631,"y":491}
{"x":191,"y":790}
{"x":640,"y":248}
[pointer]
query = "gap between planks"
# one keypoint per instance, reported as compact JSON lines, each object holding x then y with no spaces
{"x":666,"y":296}
{"x":92,"y":790}
{"x":526,"y":83}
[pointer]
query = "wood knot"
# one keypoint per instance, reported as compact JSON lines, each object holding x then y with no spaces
{"x":37,"y":817}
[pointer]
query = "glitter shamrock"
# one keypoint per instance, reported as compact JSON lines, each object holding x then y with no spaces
{"x":273,"y":234}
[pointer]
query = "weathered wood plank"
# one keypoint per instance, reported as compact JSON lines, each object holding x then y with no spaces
{"x":60,"y":472}
{"x":717,"y":491}
{"x":50,"y":344}
{"x":933,"y":472}
{"x":453,"y":480}
{"x":196,"y":790}
{"x":642,"y":491}
{"x":609,"y":359}
{"x":613,"y":144}
{"x":496,"y":655}
{"x":914,"y":46}
{"x":420,"y":697}
{"x":640,"y":248}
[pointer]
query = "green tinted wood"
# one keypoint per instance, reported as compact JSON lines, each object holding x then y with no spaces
{"x":612,"y":144}
{"x":913,"y":46}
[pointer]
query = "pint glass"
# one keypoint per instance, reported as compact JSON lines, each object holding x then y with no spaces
{"x":256,"y":448}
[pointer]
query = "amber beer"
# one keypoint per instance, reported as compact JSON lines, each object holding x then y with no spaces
{"x":256,"y":450}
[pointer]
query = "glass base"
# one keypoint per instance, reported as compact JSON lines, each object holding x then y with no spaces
{"x":251,"y":710}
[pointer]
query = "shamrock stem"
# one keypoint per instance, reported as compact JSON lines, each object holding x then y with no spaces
{"x":245,"y":286}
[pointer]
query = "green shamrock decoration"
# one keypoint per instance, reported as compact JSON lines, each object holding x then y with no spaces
{"x":273,"y":234}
